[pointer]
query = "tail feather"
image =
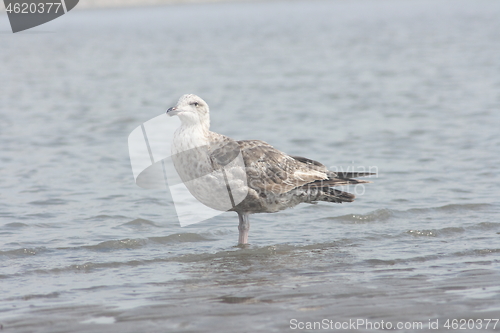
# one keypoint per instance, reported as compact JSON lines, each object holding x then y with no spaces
{"x":327,"y":194}
{"x":323,"y":190}
{"x":332,"y":195}
{"x":353,"y":174}
{"x":341,"y":195}
{"x":337,"y":182}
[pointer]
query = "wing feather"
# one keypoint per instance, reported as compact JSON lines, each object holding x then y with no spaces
{"x":271,"y":170}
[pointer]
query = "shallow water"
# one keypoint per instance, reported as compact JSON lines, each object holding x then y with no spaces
{"x":408,"y":88}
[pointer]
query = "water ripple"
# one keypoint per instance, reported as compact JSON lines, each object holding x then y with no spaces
{"x":49,"y":202}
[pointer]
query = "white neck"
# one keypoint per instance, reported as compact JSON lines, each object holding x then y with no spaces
{"x":194,"y":120}
{"x":188,"y":137}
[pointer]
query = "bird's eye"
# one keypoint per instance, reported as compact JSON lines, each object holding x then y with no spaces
{"x":195,"y":104}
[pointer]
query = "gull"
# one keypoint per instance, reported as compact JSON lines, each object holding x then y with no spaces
{"x":255,"y":176}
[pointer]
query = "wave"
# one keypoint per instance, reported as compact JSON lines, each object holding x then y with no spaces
{"x":128,"y":243}
{"x":234,"y":253}
{"x":377,"y":215}
{"x":437,"y":232}
{"x":16,"y":225}
{"x":140,"y":223}
{"x":114,"y":245}
{"x":24,"y":252}
{"x":180,"y":238}
{"x":104,"y":217}
{"x":41,"y":215}
{"x":239,"y":254}
{"x":453,"y":208}
{"x":386,"y":214}
{"x":48,"y":202}
{"x":473,"y":253}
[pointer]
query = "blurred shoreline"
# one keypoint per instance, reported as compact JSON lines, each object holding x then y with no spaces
{"x":137,"y":3}
{"x":88,"y":4}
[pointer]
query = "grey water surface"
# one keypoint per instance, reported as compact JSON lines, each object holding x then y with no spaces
{"x":409,"y":88}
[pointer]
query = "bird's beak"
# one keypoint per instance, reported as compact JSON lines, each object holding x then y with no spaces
{"x":172,"y":111}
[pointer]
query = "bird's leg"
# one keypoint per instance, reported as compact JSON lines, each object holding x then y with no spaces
{"x":243,"y":227}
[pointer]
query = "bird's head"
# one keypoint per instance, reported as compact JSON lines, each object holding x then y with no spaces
{"x":191,"y":109}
